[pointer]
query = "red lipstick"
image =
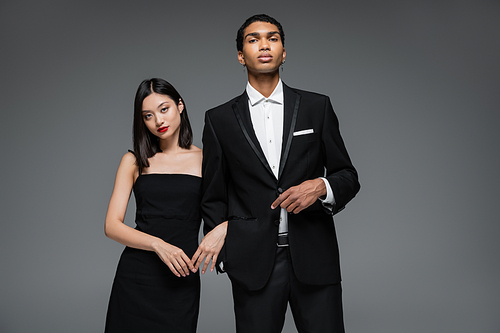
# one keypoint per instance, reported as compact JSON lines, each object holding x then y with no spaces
{"x":163,"y":129}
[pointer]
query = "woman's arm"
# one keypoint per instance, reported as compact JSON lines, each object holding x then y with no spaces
{"x":115,"y":228}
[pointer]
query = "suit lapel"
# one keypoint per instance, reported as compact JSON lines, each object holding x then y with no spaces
{"x":242,"y":113}
{"x":290,"y":109}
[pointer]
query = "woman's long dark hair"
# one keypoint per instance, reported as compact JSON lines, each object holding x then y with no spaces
{"x":146,"y":144}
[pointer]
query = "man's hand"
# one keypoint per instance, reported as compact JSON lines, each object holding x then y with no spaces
{"x":297,"y":198}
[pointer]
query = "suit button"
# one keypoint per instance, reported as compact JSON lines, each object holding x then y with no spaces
{"x":276,"y":222}
{"x":280,"y":190}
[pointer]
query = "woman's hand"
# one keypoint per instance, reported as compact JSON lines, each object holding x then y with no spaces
{"x":210,"y":247}
{"x":178,"y":262}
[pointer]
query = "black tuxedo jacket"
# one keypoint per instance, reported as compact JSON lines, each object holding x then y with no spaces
{"x":239,"y":187}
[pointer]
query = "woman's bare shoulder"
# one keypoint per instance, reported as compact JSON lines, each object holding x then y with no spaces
{"x":194,"y":149}
{"x":129,"y":158}
{"x":195,"y":156}
{"x":128,"y":165}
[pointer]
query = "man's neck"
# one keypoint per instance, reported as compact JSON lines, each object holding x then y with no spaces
{"x":264,"y":83}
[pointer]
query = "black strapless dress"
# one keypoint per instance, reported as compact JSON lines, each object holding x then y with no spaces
{"x":146,"y":296}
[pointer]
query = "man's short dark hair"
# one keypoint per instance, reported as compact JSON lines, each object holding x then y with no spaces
{"x":258,"y":18}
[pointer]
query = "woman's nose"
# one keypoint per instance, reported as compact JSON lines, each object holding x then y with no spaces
{"x":159,"y":121}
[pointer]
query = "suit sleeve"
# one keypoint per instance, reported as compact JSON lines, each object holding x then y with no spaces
{"x":340,"y":173}
{"x":214,"y":189}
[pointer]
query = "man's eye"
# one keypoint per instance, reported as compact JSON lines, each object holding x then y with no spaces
{"x":273,"y":39}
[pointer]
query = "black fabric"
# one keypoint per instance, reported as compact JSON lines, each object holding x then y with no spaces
{"x":146,"y":296}
{"x":239,"y":187}
{"x":315,"y":309}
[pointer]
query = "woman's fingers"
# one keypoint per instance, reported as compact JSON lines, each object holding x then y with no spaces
{"x":178,"y":262}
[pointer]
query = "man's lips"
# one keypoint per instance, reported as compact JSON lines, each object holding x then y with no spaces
{"x":265,"y":57}
{"x":163,"y":129}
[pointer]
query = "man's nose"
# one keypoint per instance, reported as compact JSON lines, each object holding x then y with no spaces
{"x":264,"y":45}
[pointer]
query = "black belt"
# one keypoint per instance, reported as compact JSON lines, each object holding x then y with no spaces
{"x":282,"y":240}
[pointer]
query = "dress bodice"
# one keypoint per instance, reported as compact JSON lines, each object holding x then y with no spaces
{"x":168,"y":205}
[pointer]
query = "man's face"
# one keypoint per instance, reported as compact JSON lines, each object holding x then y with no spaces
{"x":263,"y":50}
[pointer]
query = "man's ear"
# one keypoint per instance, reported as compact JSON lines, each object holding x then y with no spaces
{"x":241,"y":58}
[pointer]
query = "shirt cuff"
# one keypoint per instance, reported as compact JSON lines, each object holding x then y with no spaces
{"x":329,"y":201}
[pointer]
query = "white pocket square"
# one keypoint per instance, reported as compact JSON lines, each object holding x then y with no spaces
{"x":303,"y":132}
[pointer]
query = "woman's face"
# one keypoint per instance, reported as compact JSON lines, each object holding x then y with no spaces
{"x":161,"y":115}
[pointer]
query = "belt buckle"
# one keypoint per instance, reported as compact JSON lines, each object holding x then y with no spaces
{"x":282,"y":240}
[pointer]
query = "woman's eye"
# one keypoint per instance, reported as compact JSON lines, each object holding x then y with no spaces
{"x":164,"y":109}
{"x":148,"y":116}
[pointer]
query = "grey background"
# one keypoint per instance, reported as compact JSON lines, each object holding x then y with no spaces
{"x":415,"y":85}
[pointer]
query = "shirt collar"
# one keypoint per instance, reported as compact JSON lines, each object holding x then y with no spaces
{"x":256,"y":97}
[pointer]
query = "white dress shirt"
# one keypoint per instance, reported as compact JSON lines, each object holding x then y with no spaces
{"x":267,"y":120}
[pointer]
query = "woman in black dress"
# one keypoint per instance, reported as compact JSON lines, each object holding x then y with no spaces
{"x":156,"y":287}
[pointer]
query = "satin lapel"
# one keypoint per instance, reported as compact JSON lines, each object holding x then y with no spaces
{"x":242,"y":113}
{"x":291,"y":109}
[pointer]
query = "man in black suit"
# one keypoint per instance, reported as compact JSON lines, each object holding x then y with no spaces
{"x":275,"y":170}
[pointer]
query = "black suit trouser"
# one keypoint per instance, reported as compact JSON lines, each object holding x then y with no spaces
{"x":315,"y":309}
